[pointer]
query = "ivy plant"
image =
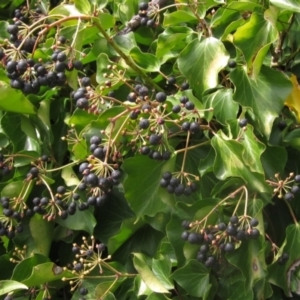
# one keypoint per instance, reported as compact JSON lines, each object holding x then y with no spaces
{"x":149,"y":150}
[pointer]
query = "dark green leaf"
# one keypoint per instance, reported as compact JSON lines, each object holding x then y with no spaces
{"x":265,"y":96}
{"x":194,"y":278}
{"x":143,"y":199}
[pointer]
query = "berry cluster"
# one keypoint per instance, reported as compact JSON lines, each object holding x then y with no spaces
{"x":294,"y":189}
{"x":25,"y":73}
{"x":88,"y":257}
{"x":287,"y":188}
{"x":145,"y":19}
{"x":5,"y":166}
{"x":10,"y":220}
{"x":219,"y":239}
{"x":99,"y":172}
{"x":175,"y":184}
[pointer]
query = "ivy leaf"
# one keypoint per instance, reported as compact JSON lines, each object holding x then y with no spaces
{"x":292,"y":101}
{"x":146,"y":61}
{"x":14,"y":101}
{"x":40,"y":228}
{"x":224,"y":108}
{"x":229,"y":162}
{"x":46,"y":272}
{"x":7,"y":286}
{"x":258,"y":32}
{"x":282,"y":274}
{"x":249,"y":258}
{"x":265,"y":96}
{"x":179,"y":17}
{"x":83,"y":6}
{"x":292,"y":5}
{"x":139,"y":261}
{"x":200,"y":63}
{"x":253,"y":150}
{"x":172,"y":41}
{"x":81,"y":220}
{"x":23,"y":269}
{"x":162,"y":270}
{"x":143,"y":198}
{"x":194,"y":278}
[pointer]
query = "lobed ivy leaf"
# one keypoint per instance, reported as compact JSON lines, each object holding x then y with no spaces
{"x":46,"y":272}
{"x":282,"y":274}
{"x":143,"y":199}
{"x":222,"y":104}
{"x":260,"y":33}
{"x":172,"y":41}
{"x":179,"y":17}
{"x":7,"y":286}
{"x":14,"y":101}
{"x":83,"y":6}
{"x":194,"y":278}
{"x":249,"y":258}
{"x":200,"y":63}
{"x":229,"y":162}
{"x":291,"y":5}
{"x":145,"y":61}
{"x":265,"y":95}
{"x":152,"y":281}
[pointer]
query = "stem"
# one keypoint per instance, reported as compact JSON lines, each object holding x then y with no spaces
{"x":68,"y":165}
{"x":109,"y":142}
{"x":126,"y":58}
{"x":120,"y":129}
{"x":110,"y":287}
{"x":48,"y":187}
{"x":76,"y":32}
{"x":222,"y":201}
{"x":291,"y":212}
{"x":185,"y":151}
{"x":246,"y":201}
{"x":192,"y":147}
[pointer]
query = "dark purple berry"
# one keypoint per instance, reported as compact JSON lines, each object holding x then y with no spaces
{"x":231,"y":64}
{"x":176,"y":109}
{"x":243,"y":123}
{"x":160,"y":97}
{"x":154,"y":139}
{"x":189,"y":105}
{"x":144,"y":123}
{"x":85,"y":81}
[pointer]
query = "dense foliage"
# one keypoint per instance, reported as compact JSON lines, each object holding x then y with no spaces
{"x":149,"y":150}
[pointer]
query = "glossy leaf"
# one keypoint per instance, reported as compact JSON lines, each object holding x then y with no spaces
{"x":265,"y":96}
{"x":260,"y":33}
{"x":145,"y":61}
{"x":292,"y":100}
{"x":194,"y":278}
{"x":208,"y":57}
{"x":147,"y":275}
{"x":253,"y":268}
{"x":291,"y":5}
{"x":46,"y":272}
{"x":282,"y":274}
{"x":40,"y":228}
{"x":222,"y":104}
{"x":235,"y":166}
{"x":7,"y":286}
{"x":81,"y":220}
{"x":172,"y":41}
